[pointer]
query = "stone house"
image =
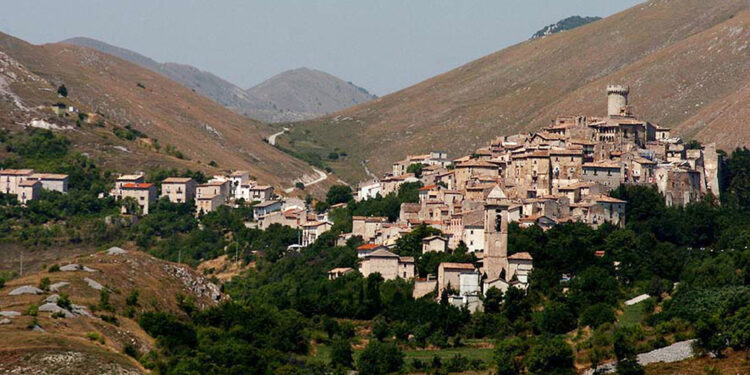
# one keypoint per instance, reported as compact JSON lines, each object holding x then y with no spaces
{"x":368,"y":248}
{"x":259,"y":193}
{"x":434,"y":243}
{"x":389,"y":265}
{"x":264,"y":208}
{"x":208,"y":204}
{"x":605,"y":172}
{"x":125,"y":179}
{"x":143,"y":193}
{"x":335,"y":273}
{"x":367,"y":227}
{"x":10,"y":179}
{"x":312,"y":230}
{"x":52,"y":181}
{"x":28,"y":190}
{"x":178,"y":189}
{"x":213,"y":188}
{"x":449,"y":275}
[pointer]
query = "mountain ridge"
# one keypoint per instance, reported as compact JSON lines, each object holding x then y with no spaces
{"x":292,"y":99}
{"x":565,"y":24}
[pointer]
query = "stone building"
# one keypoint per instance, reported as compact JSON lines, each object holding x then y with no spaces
{"x":143,"y":193}
{"x":389,"y":265}
{"x":178,"y":189}
{"x":28,"y":190}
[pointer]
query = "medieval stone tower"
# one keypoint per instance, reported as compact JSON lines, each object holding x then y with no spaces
{"x":495,"y":234}
{"x":617,"y":99}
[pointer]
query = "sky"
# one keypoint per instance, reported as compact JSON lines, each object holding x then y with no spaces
{"x":381,"y":45}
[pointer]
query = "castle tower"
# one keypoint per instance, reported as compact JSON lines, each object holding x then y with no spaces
{"x":495,"y":234}
{"x":617,"y":98}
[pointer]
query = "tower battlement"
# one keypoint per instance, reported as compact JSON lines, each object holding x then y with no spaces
{"x":617,"y":99}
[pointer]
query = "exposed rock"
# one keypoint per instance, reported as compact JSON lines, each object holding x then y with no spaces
{"x":54,"y":308}
{"x":56,"y":286}
{"x":198,"y":285}
{"x":76,"y":267}
{"x":116,"y":251}
{"x":26,"y":289}
{"x":93,"y":283}
{"x":4,"y":321}
{"x":37,"y":328}
{"x":52,"y":299}
{"x":9,"y":313}
{"x":80,"y":310}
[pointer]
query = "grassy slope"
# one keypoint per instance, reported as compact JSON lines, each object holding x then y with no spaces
{"x":164,"y":110}
{"x":685,"y":61}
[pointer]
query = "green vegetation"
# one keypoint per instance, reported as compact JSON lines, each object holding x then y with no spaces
{"x":62,"y":91}
{"x":128,"y":133}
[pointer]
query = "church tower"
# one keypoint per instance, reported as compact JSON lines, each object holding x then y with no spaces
{"x":495,"y":233}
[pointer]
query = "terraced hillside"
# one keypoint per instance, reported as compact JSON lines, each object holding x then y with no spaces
{"x":687,"y":62}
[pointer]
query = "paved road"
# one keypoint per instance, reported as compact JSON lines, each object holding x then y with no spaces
{"x":272,"y":137}
{"x":322,"y":176}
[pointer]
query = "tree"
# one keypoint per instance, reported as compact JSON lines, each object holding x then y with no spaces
{"x":493,"y":300}
{"x":341,"y":353}
{"x":62,"y":91}
{"x":710,"y":335}
{"x":380,"y":358}
{"x":625,"y":351}
{"x":380,"y":328}
{"x":339,"y":194}
{"x":556,"y":317}
{"x":415,"y":168}
{"x":507,"y":356}
{"x":299,"y":185}
{"x":551,"y":355}
{"x":596,"y":315}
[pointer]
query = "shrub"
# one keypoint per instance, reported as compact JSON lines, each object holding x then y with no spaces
{"x":132,"y":298}
{"x":299,"y":185}
{"x":33,"y":310}
{"x":380,"y":358}
{"x":44,"y":283}
{"x":64,"y":302}
{"x":94,"y":336}
{"x":596,"y":315}
{"x":341,"y":353}
{"x":54,"y":268}
{"x":130,"y":350}
{"x":111,"y":319}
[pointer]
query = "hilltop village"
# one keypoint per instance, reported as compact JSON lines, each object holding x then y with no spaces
{"x":562,"y":173}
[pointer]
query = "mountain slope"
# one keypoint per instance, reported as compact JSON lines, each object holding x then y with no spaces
{"x":304,"y":93}
{"x":293,"y":95}
{"x":123,"y":93}
{"x":566,"y":24}
{"x":67,"y":345}
{"x":686,"y":62}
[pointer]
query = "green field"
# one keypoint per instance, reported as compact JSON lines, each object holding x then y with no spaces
{"x":632,"y":315}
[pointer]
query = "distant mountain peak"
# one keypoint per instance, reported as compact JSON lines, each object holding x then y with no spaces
{"x":563,"y":25}
{"x":298,"y":94}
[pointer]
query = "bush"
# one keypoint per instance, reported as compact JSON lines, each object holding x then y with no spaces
{"x":54,"y":268}
{"x":64,"y":302}
{"x":44,"y":283}
{"x":341,"y":353}
{"x":111,"y":319}
{"x":94,"y":336}
{"x":130,"y":350}
{"x":551,"y":356}
{"x":380,"y":358}
{"x":596,"y":315}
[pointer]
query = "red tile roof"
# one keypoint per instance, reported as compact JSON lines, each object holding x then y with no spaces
{"x":137,"y":185}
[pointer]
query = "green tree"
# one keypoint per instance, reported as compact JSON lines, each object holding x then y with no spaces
{"x":550,"y":356}
{"x":341,"y":353}
{"x":507,"y":356}
{"x":493,"y":300}
{"x":62,"y":91}
{"x":415,"y":168}
{"x":339,"y":194}
{"x":710,"y":336}
{"x":380,"y":358}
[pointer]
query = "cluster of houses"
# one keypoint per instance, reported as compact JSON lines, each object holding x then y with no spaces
{"x":27,"y":184}
{"x":218,"y":191}
{"x":560,"y":174}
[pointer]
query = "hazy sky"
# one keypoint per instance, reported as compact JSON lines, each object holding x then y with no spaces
{"x":382,"y":46}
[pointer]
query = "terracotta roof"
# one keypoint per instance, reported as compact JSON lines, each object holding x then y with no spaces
{"x":261,"y":187}
{"x":137,"y":185}
{"x":476,"y":163}
{"x":382,"y":253}
{"x":341,"y":270}
{"x":368,"y":246}
{"x":380,"y":219}
{"x":566,"y":151}
{"x":28,"y":183}
{"x":411,"y":207}
{"x":176,"y":180}
{"x":606,"y":198}
{"x":428,"y":187}
{"x":601,"y":164}
{"x":462,"y":266}
{"x":521,"y":256}
{"x":430,"y":238}
{"x":406,"y":259}
{"x":16,"y":172}
{"x":49,"y":176}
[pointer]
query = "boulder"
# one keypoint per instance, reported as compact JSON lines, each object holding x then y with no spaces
{"x":56,"y":286}
{"x":93,"y":283}
{"x":53,"y":308}
{"x":116,"y":251}
{"x":26,"y":289}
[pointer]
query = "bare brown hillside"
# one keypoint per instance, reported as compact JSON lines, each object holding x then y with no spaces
{"x":124,"y":93}
{"x":41,"y":337}
{"x":687,"y":62}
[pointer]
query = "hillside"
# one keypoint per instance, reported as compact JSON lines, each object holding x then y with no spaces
{"x":83,"y":342}
{"x":293,"y":95}
{"x":181,"y":128}
{"x":304,"y":93}
{"x":687,"y":63}
{"x":566,"y":24}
